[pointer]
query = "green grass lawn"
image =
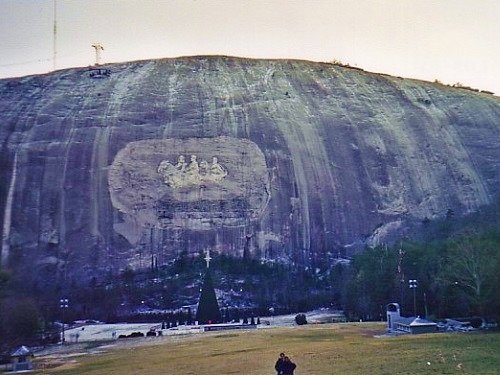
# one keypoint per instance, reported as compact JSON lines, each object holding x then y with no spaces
{"x":316,"y":349}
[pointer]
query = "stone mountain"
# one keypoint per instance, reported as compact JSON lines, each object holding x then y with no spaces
{"x":286,"y":160}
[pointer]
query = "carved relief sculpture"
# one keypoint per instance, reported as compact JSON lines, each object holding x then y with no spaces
{"x":217,"y":173}
{"x":199,"y":184}
{"x":194,"y":173}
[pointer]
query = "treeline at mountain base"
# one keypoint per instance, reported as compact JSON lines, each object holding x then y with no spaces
{"x":455,"y":267}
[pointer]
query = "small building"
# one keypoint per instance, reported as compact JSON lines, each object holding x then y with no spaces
{"x":393,"y":316}
{"x":99,"y":73}
{"x":400,"y":324}
{"x":21,"y":359}
{"x":415,"y":325}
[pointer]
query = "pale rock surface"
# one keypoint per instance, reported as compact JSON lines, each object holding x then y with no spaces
{"x":317,"y":156}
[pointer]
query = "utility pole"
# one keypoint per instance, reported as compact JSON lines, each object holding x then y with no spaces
{"x":54,"y":39}
{"x":401,"y":275}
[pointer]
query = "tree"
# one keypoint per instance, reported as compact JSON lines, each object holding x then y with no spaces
{"x":4,"y":280}
{"x":472,"y":267}
{"x":373,"y":283}
{"x":208,"y":308}
{"x":20,"y":318}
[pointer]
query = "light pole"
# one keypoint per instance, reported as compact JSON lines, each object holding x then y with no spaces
{"x":425,"y":305}
{"x":63,"y":304}
{"x":413,"y":285}
{"x":271,"y":310}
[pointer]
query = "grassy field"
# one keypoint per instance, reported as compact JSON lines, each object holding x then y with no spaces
{"x":316,"y":349}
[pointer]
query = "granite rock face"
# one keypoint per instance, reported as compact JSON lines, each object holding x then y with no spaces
{"x":311,"y":159}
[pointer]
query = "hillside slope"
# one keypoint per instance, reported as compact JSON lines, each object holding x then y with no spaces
{"x":312,"y":159}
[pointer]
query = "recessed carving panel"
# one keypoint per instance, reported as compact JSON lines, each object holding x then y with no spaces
{"x":195,"y":183}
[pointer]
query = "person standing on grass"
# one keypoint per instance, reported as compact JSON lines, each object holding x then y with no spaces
{"x":279,"y":364}
{"x":288,"y":367}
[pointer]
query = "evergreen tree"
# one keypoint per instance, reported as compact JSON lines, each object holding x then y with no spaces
{"x":208,"y":309}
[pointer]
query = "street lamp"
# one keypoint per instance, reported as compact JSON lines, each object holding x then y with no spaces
{"x":413,"y":285}
{"x":63,"y":304}
{"x":271,"y":310}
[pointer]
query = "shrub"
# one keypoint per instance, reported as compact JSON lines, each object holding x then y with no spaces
{"x":476,"y":321}
{"x":136,"y":334}
{"x":300,"y":319}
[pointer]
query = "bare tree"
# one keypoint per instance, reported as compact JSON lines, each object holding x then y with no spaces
{"x":472,"y":266}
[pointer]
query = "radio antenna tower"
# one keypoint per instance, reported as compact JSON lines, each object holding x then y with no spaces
{"x":98,"y":48}
{"x":54,"y":47}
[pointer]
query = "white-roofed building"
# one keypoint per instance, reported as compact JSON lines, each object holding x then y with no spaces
{"x":21,"y":359}
{"x":414,"y":324}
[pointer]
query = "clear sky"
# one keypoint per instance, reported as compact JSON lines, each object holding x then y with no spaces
{"x":449,"y":40}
